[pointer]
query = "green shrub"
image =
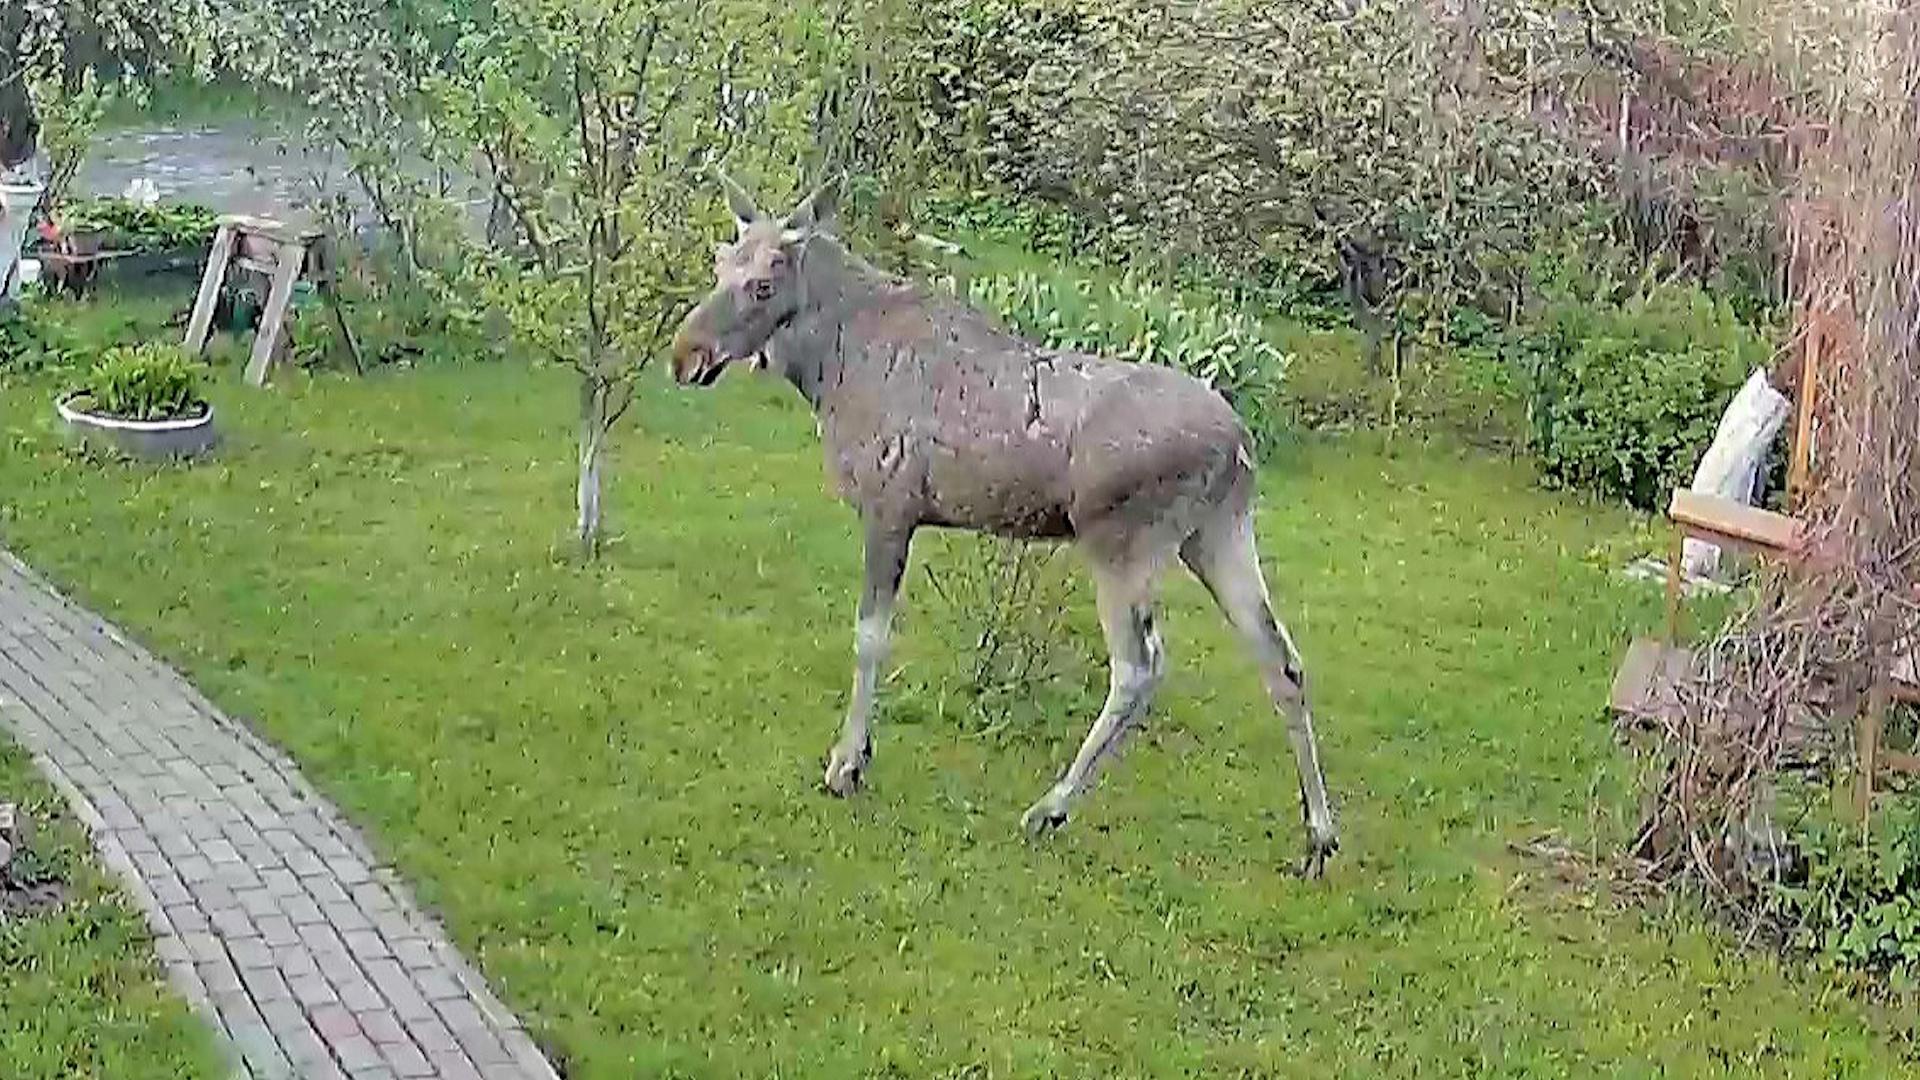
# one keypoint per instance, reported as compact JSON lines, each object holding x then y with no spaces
{"x":1624,"y":397}
{"x":1132,"y":319}
{"x":1855,"y":906}
{"x":129,"y":226}
{"x":143,"y":382}
{"x":22,"y":345}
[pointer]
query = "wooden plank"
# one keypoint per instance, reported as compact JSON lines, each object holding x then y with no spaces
{"x":201,"y":322}
{"x":274,"y":320}
{"x":1647,"y":684}
{"x":1722,"y":517}
{"x":272,"y":229}
{"x":1799,"y":470}
{"x":1895,"y":761}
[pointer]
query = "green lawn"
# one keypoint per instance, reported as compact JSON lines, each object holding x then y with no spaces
{"x":606,"y":778}
{"x":80,"y":992}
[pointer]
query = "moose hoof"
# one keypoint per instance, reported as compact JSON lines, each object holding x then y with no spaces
{"x":847,"y":769}
{"x":1045,"y":816}
{"x":1320,"y":847}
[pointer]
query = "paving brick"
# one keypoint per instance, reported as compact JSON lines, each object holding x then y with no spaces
{"x":281,"y":882}
{"x":213,"y":895}
{"x":312,"y":990}
{"x":324,"y":890}
{"x":187,"y":918}
{"x":437,"y":985}
{"x":460,"y":1016}
{"x":433,"y":1037}
{"x":257,"y":902}
{"x":415,"y":953}
{"x":218,"y":976}
{"x":231,"y":922}
{"x":194,"y":869}
{"x":359,"y":995}
{"x":265,"y":984}
{"x":169,"y":890}
{"x":357,"y":1052}
{"x":294,"y":961}
{"x":405,"y":1059}
{"x":349,"y":871}
{"x":203,"y":947}
{"x":334,"y":1022}
{"x":364,"y":944}
{"x":455,"y":1066}
{"x":321,"y":937}
{"x":301,"y":911}
{"x":277,"y":930}
{"x":347,"y":918}
{"x":250,"y":953}
{"x":482,"y":1047}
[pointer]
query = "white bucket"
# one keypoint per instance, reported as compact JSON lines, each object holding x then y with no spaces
{"x":16,"y":211}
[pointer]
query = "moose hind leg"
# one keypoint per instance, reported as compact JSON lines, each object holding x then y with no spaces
{"x":1137,"y":663}
{"x":1226,"y":560}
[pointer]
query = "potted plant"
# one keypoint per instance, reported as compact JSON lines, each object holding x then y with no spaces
{"x":142,"y":400}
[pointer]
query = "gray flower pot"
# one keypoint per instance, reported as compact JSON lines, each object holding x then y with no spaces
{"x":150,"y":439}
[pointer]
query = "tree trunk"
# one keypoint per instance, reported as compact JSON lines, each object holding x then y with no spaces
{"x":594,"y":392}
{"x":19,"y":127}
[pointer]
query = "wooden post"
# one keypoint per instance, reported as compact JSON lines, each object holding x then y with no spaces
{"x":1799,"y":467}
{"x":201,"y":324}
{"x":273,"y":321}
{"x":1675,"y":559}
{"x":1868,"y":751}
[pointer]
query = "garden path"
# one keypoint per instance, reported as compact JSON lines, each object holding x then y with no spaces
{"x":271,"y":914}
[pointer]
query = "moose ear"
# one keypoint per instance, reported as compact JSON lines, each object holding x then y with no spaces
{"x":817,"y":210}
{"x":739,"y":202}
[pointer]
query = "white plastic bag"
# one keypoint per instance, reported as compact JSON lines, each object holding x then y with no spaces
{"x":1732,"y":463}
{"x":17,"y":200}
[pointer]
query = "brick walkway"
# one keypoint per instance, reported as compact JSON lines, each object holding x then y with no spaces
{"x":269,"y":911}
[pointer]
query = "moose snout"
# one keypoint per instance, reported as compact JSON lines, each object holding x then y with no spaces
{"x":691,"y":358}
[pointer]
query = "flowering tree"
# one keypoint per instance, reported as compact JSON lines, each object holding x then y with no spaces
{"x":63,"y":61}
{"x":594,"y":119}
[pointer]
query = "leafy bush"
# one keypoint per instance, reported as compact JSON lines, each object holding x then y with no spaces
{"x":1317,"y":147}
{"x":1856,"y":906}
{"x":1624,"y":397}
{"x":143,"y":382}
{"x":129,"y":226}
{"x":1010,"y":600}
{"x":1134,"y":320}
{"x":24,"y":347}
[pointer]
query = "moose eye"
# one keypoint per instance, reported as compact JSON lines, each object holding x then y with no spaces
{"x":761,"y":289}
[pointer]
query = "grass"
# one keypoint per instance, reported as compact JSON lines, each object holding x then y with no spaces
{"x":80,"y":992}
{"x":606,"y":777}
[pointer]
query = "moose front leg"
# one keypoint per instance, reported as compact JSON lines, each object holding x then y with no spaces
{"x":886,"y":558}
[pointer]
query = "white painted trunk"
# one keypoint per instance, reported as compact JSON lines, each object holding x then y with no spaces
{"x":587,"y":494}
{"x":593,"y":443}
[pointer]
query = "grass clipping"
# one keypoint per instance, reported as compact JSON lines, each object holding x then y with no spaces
{"x":1785,"y":678}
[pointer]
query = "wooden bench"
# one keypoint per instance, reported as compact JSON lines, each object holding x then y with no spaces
{"x":1726,"y":523}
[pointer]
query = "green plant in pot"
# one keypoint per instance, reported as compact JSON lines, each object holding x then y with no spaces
{"x":144,"y":400}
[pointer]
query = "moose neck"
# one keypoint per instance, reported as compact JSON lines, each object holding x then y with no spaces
{"x":811,"y":350}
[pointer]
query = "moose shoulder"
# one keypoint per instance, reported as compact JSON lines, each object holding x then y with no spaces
{"x":932,"y":415}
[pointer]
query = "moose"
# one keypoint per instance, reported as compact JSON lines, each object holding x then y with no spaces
{"x":932,"y":415}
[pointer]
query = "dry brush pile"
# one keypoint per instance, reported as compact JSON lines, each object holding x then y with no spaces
{"x":1783,"y":680}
